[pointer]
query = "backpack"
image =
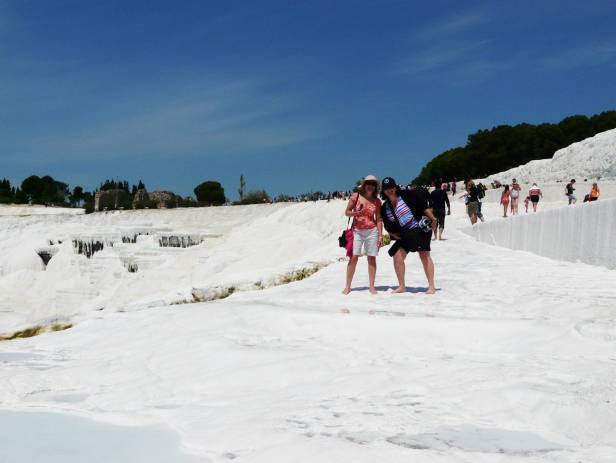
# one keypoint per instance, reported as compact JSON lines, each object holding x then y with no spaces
{"x":481,"y":193}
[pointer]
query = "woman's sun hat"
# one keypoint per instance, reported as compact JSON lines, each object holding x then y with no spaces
{"x":371,"y":178}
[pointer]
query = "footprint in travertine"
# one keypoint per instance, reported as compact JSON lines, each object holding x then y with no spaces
{"x":387,"y":313}
{"x":361,"y":420}
{"x":472,"y":438}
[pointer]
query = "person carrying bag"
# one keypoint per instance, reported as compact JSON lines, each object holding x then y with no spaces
{"x":366,"y":234}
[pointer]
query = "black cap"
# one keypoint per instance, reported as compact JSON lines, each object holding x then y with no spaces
{"x":388,"y":182}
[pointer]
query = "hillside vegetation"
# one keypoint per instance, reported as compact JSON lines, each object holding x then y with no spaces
{"x":503,"y":147}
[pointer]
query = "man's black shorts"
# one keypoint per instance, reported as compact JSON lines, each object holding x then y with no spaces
{"x":413,"y":240}
{"x":440,"y":217}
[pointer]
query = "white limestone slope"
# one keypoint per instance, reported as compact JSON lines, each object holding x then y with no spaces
{"x":243,"y":247}
{"x":592,"y":158}
{"x":579,"y":233}
{"x":511,"y":361}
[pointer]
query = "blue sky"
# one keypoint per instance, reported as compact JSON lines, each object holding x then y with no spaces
{"x":297,"y":96}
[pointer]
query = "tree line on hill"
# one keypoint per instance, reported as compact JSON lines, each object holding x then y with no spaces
{"x":42,"y":190}
{"x":501,"y":148}
{"x":50,"y":192}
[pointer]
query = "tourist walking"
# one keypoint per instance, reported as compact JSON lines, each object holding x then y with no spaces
{"x":440,"y":200}
{"x":472,"y":201}
{"x":409,"y":220}
{"x":365,"y":208}
{"x":534,"y":194}
{"x":570,"y":192}
{"x":454,"y":187}
{"x":515,"y":196}
{"x":481,"y":193}
{"x":505,"y":197}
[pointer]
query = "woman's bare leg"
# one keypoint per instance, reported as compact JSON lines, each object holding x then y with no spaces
{"x":428,"y":266}
{"x":351,"y":266}
{"x":372,"y":273}
{"x":400,"y":269}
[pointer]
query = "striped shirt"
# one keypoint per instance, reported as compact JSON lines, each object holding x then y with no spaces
{"x":404,"y":214}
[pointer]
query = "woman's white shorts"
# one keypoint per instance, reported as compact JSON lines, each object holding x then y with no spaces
{"x":366,"y":242}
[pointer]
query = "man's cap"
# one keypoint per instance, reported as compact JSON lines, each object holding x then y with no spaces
{"x":388,"y":182}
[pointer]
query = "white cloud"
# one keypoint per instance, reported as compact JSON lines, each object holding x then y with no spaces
{"x":589,"y":54}
{"x":442,"y":56}
{"x":452,"y":25}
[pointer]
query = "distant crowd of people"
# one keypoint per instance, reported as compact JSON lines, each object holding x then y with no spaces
{"x":414,"y":216}
{"x":317,"y":196}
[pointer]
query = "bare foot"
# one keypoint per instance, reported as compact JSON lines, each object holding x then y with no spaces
{"x":372,"y":290}
{"x":431,"y":291}
{"x":400,"y":289}
{"x":440,"y":238}
{"x":346,"y":291}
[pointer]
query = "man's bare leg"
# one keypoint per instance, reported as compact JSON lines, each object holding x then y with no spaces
{"x":372,"y":273}
{"x":351,"y":266}
{"x":428,"y":266}
{"x":400,"y":269}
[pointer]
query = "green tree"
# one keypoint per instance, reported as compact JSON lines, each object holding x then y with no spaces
{"x":210,"y":193}
{"x":32,"y":188}
{"x":500,"y":148}
{"x":77,"y":196}
{"x":242,"y":188}
{"x":7,"y":194}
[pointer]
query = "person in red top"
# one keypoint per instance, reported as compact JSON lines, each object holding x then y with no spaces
{"x":505,"y":195}
{"x":365,"y":208}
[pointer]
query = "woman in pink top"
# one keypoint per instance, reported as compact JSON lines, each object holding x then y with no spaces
{"x":505,"y":195}
{"x":365,"y":208}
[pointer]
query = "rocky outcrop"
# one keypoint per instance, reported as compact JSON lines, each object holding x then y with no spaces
{"x":156,"y":200}
{"x":178,"y":240}
{"x":46,"y":254}
{"x":165,"y":199}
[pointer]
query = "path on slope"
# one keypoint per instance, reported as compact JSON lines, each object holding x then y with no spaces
{"x":512,"y":360}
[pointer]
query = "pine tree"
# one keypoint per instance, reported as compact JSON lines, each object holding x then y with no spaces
{"x":242,"y":189}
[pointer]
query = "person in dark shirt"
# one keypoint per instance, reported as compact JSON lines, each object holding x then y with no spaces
{"x":472,"y":201}
{"x":408,"y":218}
{"x":439,"y":200}
{"x":569,"y":191}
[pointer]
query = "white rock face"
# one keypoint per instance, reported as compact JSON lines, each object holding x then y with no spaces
{"x":580,"y":233}
{"x":130,"y":260}
{"x":502,"y":364}
{"x":593,"y":158}
{"x":511,"y":361}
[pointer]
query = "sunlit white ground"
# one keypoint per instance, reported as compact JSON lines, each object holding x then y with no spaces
{"x":513,"y":360}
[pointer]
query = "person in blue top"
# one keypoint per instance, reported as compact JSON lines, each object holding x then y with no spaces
{"x":408,"y":218}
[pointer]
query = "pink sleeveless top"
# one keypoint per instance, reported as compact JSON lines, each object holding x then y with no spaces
{"x":367,"y":217}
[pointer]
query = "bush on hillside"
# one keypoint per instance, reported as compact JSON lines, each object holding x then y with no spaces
{"x":255,"y":197}
{"x":210,"y":193}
